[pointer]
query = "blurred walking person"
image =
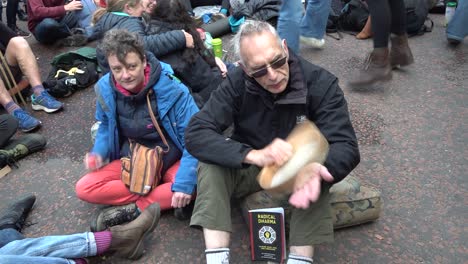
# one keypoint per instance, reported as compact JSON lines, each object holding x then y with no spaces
{"x":309,"y":28}
{"x":388,"y":16}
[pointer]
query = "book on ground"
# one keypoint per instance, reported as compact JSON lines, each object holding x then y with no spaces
{"x":267,"y":234}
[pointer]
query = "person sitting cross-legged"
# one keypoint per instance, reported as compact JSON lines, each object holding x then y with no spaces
{"x":137,"y":82}
{"x":21,"y":60}
{"x":124,"y":241}
{"x":264,"y":99}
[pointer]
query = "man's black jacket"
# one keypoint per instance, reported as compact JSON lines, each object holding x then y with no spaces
{"x":259,"y":117}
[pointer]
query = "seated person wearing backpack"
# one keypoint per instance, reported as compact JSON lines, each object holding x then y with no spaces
{"x":197,"y":68}
{"x":21,"y":60}
{"x":123,"y":110}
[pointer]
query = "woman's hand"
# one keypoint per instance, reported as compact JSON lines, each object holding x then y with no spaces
{"x":93,"y":161}
{"x":180,"y":199}
{"x":222,"y":67}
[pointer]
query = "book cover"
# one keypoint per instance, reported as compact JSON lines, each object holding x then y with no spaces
{"x":267,"y":234}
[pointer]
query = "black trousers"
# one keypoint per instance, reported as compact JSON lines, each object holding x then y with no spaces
{"x":387,"y":16}
{"x":8,"y":126}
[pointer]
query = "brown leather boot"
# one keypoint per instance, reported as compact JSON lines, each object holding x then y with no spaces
{"x":127,"y":240}
{"x":377,"y":68}
{"x":400,"y":53}
{"x":366,"y":32}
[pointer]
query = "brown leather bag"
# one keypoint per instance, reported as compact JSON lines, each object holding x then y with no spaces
{"x":141,"y":171}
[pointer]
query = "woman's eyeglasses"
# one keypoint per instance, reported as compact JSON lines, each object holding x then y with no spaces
{"x":274,"y":65}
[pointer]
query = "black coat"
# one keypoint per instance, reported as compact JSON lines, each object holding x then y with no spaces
{"x":159,"y":44}
{"x":202,"y":76}
{"x":258,"y":118}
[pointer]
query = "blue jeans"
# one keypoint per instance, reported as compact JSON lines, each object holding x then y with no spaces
{"x":50,"y":30}
{"x":85,"y":15}
{"x":291,"y":22}
{"x":8,"y":235}
{"x":48,"y":249}
{"x":457,"y":28}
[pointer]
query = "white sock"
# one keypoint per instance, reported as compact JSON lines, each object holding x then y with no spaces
{"x":217,"y":256}
{"x":296,"y":259}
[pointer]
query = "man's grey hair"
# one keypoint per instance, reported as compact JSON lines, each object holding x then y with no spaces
{"x":249,"y":28}
{"x":120,"y":42}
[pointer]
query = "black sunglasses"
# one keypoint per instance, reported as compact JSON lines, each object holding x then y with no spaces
{"x":274,"y":65}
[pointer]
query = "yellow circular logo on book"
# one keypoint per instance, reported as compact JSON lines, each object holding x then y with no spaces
{"x":267,"y":235}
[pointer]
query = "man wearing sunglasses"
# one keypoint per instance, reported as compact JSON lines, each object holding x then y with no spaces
{"x":263,"y":100}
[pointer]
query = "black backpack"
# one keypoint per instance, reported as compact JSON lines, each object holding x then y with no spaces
{"x":347,"y":17}
{"x":416,"y":17}
{"x":353,"y":16}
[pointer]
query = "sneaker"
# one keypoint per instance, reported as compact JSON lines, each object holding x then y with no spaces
{"x":15,"y":215}
{"x":114,"y":215}
{"x":26,"y":122}
{"x":45,"y":102}
{"x":127,"y":240}
{"x":453,"y":41}
{"x":312,"y":42}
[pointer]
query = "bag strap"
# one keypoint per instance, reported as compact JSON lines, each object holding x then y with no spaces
{"x":155,"y":122}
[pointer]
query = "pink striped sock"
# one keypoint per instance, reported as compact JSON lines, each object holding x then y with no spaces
{"x":103,"y":241}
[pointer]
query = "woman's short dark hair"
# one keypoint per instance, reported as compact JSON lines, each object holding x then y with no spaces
{"x":120,"y":42}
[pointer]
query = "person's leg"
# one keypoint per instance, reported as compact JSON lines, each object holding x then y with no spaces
{"x":366,"y":32}
{"x":314,"y":22}
{"x":400,"y":52}
{"x":84,"y":16}
{"x":66,"y":246}
{"x":12,"y":6}
{"x":457,"y":29}
{"x":289,"y":20}
{"x":104,"y":186}
{"x":48,"y":31}
{"x":309,"y":227}
{"x":8,"y":235}
{"x":381,"y":22}
{"x":15,"y":259}
{"x":162,"y":194}
{"x":8,"y":126}
{"x":26,"y":121}
{"x":216,"y":186}
{"x":377,"y":66}
{"x":19,"y":53}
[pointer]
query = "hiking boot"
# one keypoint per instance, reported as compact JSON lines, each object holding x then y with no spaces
{"x":114,"y":215}
{"x":400,"y":52}
{"x":376,"y":68}
{"x":45,"y":102}
{"x":21,"y":147}
{"x":26,"y":122}
{"x":15,"y":215}
{"x":127,"y":240}
{"x":312,"y":42}
{"x":185,"y":212}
